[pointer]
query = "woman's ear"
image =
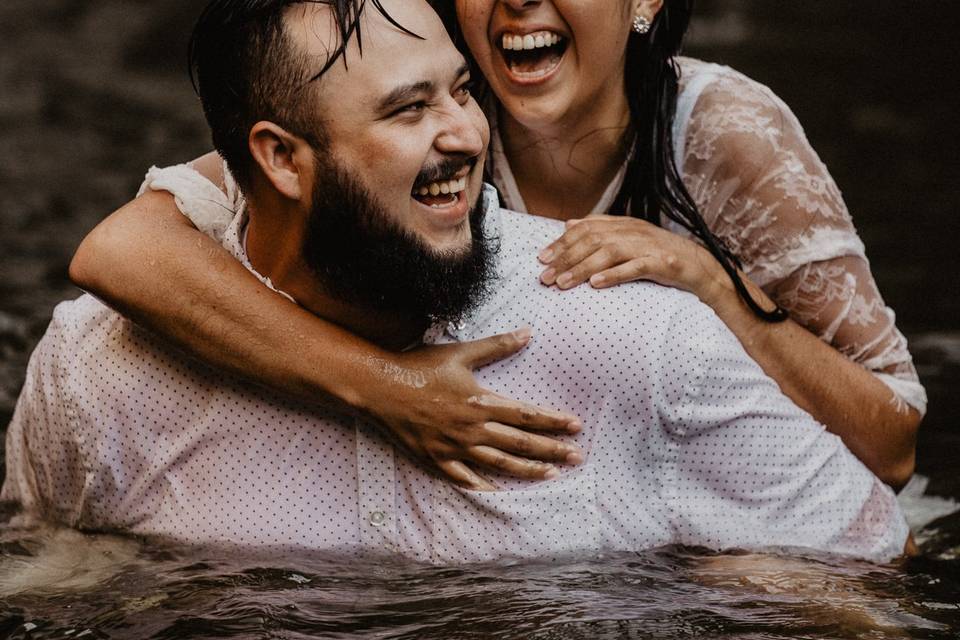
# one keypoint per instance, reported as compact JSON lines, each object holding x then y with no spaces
{"x":647,"y":8}
{"x":281,"y":157}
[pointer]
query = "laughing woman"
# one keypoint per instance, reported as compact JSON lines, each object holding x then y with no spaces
{"x":666,"y":169}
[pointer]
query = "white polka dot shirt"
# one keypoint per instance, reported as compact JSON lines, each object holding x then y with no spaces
{"x":686,"y":440}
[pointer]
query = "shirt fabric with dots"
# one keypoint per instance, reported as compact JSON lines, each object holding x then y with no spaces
{"x":686,"y":440}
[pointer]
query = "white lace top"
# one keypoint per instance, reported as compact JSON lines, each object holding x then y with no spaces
{"x":762,"y":188}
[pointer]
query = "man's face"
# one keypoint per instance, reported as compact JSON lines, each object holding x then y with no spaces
{"x":400,"y":119}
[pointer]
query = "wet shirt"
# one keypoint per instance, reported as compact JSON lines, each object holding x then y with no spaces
{"x":686,"y":440}
{"x":760,"y":186}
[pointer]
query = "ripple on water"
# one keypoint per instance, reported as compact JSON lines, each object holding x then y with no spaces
{"x":62,"y":581}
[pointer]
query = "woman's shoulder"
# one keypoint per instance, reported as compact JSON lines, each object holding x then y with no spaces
{"x":701,"y":79}
{"x":716,"y":95}
{"x":724,"y":116}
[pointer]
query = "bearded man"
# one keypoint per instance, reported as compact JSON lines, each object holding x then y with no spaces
{"x":362,"y":170}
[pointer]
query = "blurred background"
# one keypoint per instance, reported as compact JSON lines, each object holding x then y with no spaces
{"x":94,"y":92}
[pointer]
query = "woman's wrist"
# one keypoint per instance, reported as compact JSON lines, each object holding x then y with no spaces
{"x":711,"y":284}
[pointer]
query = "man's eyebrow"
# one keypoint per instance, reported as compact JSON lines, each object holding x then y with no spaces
{"x":403,"y":94}
{"x":407,"y":92}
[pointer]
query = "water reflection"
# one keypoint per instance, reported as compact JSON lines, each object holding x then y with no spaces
{"x":95,"y":91}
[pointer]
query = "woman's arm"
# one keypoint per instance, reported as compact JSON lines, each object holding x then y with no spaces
{"x":841,"y":394}
{"x":147,"y":261}
{"x":766,"y":194}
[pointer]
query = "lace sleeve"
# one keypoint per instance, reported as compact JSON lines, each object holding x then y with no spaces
{"x":210,"y":208}
{"x":766,"y":193}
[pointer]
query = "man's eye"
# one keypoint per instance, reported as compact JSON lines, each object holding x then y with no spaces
{"x":411,"y":109}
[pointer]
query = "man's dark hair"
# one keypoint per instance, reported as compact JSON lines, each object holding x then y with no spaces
{"x":245,"y":68}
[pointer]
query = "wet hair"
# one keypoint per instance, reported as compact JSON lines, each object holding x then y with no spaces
{"x":652,"y":184}
{"x":246,"y":68}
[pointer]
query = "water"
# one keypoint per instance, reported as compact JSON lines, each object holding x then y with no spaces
{"x":94,"y":91}
{"x":162,"y":591}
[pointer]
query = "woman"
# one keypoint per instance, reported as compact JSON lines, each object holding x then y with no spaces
{"x":592,"y":115}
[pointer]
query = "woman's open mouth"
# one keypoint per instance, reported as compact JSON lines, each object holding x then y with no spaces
{"x":532,"y":57}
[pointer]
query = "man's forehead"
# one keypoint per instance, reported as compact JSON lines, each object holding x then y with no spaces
{"x":384,"y":43}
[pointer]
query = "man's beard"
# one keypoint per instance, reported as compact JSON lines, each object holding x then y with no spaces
{"x":364,"y":257}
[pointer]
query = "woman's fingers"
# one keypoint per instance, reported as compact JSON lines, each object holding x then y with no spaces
{"x":465,"y":476}
{"x":443,"y":422}
{"x":530,"y":445}
{"x":571,"y":252}
{"x":635,"y":269}
{"x":598,"y":261}
{"x":501,"y":461}
{"x":525,"y":416}
{"x":480,"y":353}
{"x":573,"y":235}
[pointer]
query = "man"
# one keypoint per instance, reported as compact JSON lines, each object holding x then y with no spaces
{"x":362,"y":172}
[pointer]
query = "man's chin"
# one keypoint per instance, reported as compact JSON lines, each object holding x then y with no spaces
{"x":451,"y":243}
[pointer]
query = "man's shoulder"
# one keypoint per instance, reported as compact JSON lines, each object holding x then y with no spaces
{"x":78,"y":329}
{"x":519,"y":297}
{"x":526,"y":233}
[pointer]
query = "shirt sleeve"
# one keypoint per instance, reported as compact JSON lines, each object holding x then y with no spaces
{"x":755,"y":470}
{"x":764,"y":191}
{"x":209,"y":208}
{"x":46,"y":467}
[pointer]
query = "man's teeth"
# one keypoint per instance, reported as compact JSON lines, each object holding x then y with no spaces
{"x":446,"y":187}
{"x":530,"y":41}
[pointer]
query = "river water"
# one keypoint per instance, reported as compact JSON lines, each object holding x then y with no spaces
{"x":93,"y":92}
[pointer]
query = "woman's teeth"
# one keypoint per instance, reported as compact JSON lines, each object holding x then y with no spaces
{"x":530,"y":41}
{"x":447,"y":187}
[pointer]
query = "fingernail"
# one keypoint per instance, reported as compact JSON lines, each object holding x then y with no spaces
{"x":523,"y":334}
{"x":597,"y":280}
{"x":546,"y":255}
{"x":575,"y":426}
{"x":565,"y":280}
{"x":552,"y":474}
{"x":574,"y":458}
{"x":547,"y":276}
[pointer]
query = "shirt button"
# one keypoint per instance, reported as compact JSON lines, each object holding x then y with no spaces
{"x":378,"y":518}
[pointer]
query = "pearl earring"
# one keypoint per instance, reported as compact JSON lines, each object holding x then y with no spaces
{"x":641,"y":25}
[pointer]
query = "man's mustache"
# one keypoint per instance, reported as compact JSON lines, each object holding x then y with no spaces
{"x":443,"y":170}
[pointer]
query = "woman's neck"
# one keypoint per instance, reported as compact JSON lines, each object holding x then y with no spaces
{"x":562,"y":170}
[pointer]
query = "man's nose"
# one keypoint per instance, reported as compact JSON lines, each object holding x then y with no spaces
{"x":520,"y":5}
{"x":462,"y":133}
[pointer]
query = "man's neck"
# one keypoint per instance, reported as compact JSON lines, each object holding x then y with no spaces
{"x":274,"y":242}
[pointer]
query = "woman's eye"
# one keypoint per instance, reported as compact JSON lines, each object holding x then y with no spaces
{"x":465,"y":90}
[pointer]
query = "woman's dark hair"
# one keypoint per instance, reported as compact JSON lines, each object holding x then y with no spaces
{"x":652,"y":185}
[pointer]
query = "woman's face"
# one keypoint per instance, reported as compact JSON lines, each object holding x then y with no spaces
{"x":550,"y":62}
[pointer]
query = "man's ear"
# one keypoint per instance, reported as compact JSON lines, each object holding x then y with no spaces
{"x":282,"y":157}
{"x":647,"y":8}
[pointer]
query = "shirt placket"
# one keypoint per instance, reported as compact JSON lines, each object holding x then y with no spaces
{"x":376,"y":489}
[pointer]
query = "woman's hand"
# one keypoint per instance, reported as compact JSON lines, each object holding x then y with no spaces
{"x":611,"y":250}
{"x":430,"y":401}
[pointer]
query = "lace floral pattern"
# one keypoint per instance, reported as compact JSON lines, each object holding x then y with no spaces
{"x":762,"y":189}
